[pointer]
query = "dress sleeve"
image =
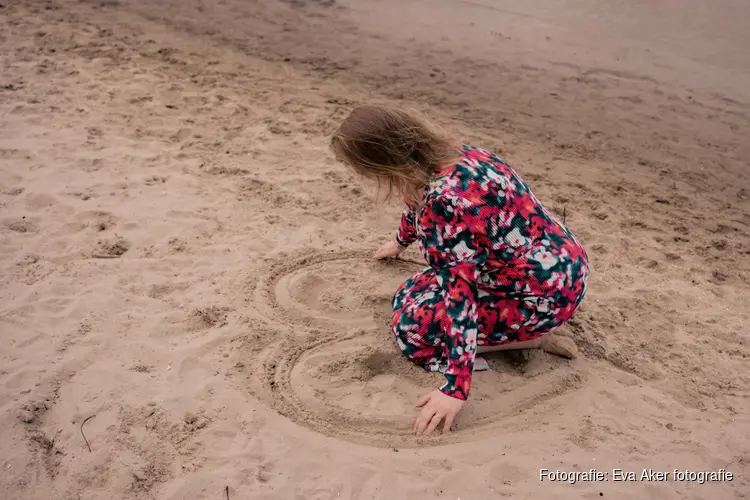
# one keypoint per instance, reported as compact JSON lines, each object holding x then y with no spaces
{"x":457,"y":259}
{"x":407,"y":231}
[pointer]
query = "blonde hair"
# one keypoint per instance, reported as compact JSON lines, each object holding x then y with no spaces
{"x":401,"y":151}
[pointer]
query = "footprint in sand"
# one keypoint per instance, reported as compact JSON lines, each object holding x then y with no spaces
{"x":110,"y":248}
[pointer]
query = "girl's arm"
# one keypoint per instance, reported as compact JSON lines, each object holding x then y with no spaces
{"x":457,"y":259}
{"x":407,"y":231}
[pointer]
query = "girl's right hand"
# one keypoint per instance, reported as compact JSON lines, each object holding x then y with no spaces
{"x":390,"y":249}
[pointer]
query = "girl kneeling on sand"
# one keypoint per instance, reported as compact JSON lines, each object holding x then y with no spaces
{"x":503,"y":271}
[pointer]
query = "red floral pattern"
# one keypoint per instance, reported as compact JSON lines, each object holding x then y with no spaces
{"x":502,"y":269}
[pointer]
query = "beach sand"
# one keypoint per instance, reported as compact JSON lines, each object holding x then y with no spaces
{"x":188,"y":304}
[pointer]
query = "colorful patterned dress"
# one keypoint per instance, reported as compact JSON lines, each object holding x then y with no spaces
{"x":502,"y":269}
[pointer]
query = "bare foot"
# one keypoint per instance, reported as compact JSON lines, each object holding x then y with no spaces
{"x":559,"y":345}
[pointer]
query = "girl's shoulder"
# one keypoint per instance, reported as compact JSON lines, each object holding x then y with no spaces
{"x":481,"y":166}
{"x":478,"y":173}
{"x":476,"y":154}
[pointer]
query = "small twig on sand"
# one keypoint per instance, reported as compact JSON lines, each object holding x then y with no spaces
{"x":565,"y":214}
{"x":226,"y":491}
{"x":423,"y":264}
{"x":52,"y":444}
{"x":83,"y":435}
{"x":400,"y":260}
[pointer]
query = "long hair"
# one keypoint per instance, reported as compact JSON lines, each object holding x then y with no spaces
{"x":399,"y":150}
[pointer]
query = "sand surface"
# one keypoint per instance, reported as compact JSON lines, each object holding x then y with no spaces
{"x":182,"y":259}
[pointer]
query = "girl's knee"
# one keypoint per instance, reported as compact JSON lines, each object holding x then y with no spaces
{"x":411,"y":339}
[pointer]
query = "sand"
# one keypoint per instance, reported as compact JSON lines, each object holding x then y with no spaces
{"x":183,"y":260}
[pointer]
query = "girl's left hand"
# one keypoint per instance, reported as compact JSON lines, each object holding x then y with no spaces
{"x":436,"y":406}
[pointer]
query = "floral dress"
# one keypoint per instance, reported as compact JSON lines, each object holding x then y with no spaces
{"x":502,"y":269}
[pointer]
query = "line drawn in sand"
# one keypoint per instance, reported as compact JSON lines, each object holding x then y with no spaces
{"x":333,"y":288}
{"x":333,"y":366}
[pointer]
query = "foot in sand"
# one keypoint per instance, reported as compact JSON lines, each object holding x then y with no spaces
{"x":559,"y":345}
{"x":552,"y":343}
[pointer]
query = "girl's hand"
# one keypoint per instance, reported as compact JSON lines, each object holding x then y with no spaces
{"x":436,"y":406}
{"x":390,"y":249}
